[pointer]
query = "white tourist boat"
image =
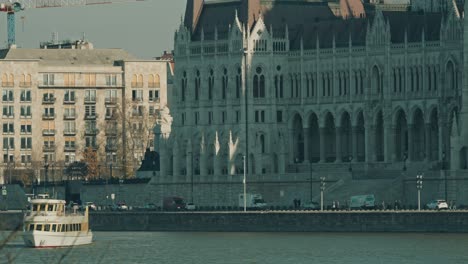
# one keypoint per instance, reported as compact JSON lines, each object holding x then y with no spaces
{"x":49,"y":224}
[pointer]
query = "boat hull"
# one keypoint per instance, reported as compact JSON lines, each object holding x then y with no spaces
{"x":42,"y":239}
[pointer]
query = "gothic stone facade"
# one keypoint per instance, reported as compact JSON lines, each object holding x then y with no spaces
{"x":380,"y":91}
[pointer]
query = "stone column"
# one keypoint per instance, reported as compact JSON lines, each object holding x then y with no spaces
{"x":427,"y":134}
{"x":410,"y":142}
{"x":306,"y":144}
{"x":322,"y":145}
{"x":338,"y":144}
{"x":354,"y":135}
{"x":175,"y":162}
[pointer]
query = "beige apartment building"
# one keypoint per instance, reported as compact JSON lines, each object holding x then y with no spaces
{"x":58,"y":102}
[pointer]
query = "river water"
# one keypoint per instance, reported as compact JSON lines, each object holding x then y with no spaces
{"x":249,"y":248}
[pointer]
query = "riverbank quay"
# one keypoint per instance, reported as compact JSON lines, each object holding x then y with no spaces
{"x":271,"y":221}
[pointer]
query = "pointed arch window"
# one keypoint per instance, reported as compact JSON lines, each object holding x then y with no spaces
{"x":210,"y":84}
{"x":224,"y":83}
{"x":259,"y":83}
{"x":183,"y":86}
{"x":238,"y":82}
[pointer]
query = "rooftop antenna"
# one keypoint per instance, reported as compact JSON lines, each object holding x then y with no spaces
{"x":83,"y":37}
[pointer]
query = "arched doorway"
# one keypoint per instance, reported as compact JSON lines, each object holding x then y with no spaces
{"x":419,"y":138}
{"x":346,"y":138}
{"x":298,"y":139}
{"x":401,"y":136}
{"x":314,"y":136}
{"x":379,"y":138}
{"x":330,"y":138}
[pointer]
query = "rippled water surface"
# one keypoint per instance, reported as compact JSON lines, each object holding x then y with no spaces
{"x":284,"y":248}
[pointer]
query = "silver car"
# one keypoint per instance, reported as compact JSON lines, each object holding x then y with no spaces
{"x":437,"y":204}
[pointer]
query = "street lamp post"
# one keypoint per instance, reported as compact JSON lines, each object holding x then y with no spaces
{"x":445,"y":175}
{"x":350,"y":169}
{"x":310,"y":169}
{"x":322,"y":188}
{"x":244,"y":182}
{"x":419,"y":185}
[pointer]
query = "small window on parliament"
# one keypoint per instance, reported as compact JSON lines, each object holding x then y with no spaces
{"x":279,"y":116}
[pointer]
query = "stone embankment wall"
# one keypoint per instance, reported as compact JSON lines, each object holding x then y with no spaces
{"x":270,"y":221}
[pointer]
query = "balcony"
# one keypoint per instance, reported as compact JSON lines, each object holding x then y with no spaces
{"x":111,"y":132}
{"x":48,"y":100}
{"x":111,"y":100}
{"x":154,"y":85}
{"x":91,"y":131}
{"x":8,"y":115}
{"x":91,"y":116}
{"x":69,"y":132}
{"x":48,"y":116}
{"x":25,"y":84}
{"x":90,"y":100}
{"x":48,"y":132}
{"x":50,"y":148}
{"x":154,"y":100}
{"x":65,"y":101}
{"x":8,"y":84}
{"x":69,"y":116}
{"x":111,"y":148}
{"x":69,"y":149}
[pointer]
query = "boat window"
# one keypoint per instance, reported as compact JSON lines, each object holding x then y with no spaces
{"x":54,"y":228}
{"x":35,"y":207}
{"x":41,"y":207}
{"x":47,"y":227}
{"x":50,"y":207}
{"x":38,"y":227}
{"x":79,"y":227}
{"x":31,"y":227}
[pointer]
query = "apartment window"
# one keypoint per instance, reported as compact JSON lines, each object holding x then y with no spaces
{"x":8,"y":80}
{"x":137,"y":110}
{"x":69,"y":143}
{"x":26,"y":143}
{"x":137,"y":95}
{"x":69,"y":112}
{"x":90,"y":111}
{"x":69,"y":126}
{"x":111,"y":79}
{"x":153,"y":81}
{"x":25,"y":80}
{"x":48,"y":79}
{"x":49,"y":157}
{"x":90,"y":96}
{"x":110,"y":112}
{"x":25,"y":96}
{"x":153,"y":95}
{"x":7,"y":158}
{"x":26,"y":158}
{"x":279,"y":116}
{"x":111,"y":96}
{"x":69,"y":96}
{"x":8,"y":128}
{"x":7,"y":96}
{"x":151,"y":111}
{"x":8,"y":111}
{"x":90,"y":142}
{"x":70,"y":158}
{"x":26,"y":129}
{"x":48,"y":112}
{"x":49,"y":142}
{"x":25,"y":111}
{"x":137,"y":81}
{"x":90,"y":126}
{"x":8,"y":143}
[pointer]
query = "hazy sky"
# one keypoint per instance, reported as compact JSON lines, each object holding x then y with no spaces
{"x":145,"y":29}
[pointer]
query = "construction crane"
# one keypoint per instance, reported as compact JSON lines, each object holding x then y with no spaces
{"x":11,"y":8}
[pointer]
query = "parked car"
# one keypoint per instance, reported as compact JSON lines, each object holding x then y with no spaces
{"x":122,"y":206}
{"x":311,"y":206}
{"x":437,"y":204}
{"x":150,"y":207}
{"x":190,"y":207}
